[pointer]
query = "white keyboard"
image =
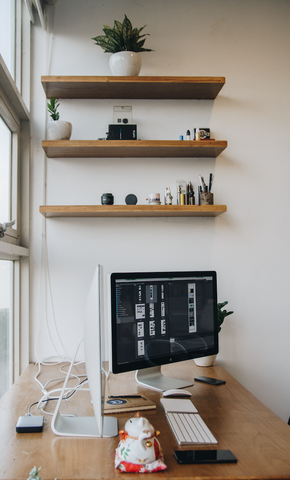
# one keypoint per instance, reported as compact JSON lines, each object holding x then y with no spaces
{"x":189,"y":428}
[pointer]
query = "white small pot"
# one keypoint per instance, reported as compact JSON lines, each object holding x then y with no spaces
{"x":205,"y":361}
{"x":125,"y":64}
{"x":59,"y":130}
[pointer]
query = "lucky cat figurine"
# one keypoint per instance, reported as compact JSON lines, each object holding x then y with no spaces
{"x":138,"y":442}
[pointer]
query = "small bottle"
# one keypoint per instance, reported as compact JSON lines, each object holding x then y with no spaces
{"x":167,"y":196}
{"x":191,"y":195}
{"x":197,"y":134}
{"x":178,"y":195}
{"x":199,"y":194}
{"x":188,"y":135}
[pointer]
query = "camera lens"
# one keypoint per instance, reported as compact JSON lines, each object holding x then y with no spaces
{"x":107,"y":199}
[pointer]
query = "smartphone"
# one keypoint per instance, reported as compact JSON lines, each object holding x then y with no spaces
{"x":211,"y":381}
{"x":204,"y":456}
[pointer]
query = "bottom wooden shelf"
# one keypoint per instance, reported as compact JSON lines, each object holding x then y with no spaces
{"x":132,"y":210}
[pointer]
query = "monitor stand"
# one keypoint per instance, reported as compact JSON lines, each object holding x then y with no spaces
{"x":153,"y":378}
{"x":82,"y":426}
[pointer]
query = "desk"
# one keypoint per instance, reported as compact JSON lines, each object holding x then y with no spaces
{"x":259,"y":439}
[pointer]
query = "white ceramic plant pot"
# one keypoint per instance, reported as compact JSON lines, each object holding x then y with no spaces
{"x":59,"y":130}
{"x":125,"y":64}
{"x":205,"y":361}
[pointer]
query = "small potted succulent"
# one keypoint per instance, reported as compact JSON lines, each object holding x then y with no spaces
{"x":210,"y":359}
{"x":125,"y":43}
{"x":57,"y":129}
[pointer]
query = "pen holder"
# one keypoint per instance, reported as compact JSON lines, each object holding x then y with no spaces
{"x":206,"y":198}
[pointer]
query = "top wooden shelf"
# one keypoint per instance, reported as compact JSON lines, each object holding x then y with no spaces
{"x":85,"y":87}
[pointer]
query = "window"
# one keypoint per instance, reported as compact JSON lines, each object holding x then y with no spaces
{"x":8,"y":209}
{"x":7,"y":34}
{"x":6,"y":325}
{"x":14,"y":189}
{"x":9,"y":167}
{"x":5,"y":172}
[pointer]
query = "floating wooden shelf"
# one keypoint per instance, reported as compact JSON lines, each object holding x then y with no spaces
{"x":132,"y":210}
{"x":132,"y":88}
{"x":201,"y":88}
{"x":132,"y":148}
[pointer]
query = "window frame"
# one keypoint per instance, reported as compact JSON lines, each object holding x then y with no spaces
{"x":14,"y":245}
{"x":12,"y":234}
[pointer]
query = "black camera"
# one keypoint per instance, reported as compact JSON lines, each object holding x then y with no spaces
{"x":204,"y":133}
{"x":122,"y":132}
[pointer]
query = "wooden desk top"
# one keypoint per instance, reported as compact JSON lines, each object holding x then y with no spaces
{"x":259,"y":439}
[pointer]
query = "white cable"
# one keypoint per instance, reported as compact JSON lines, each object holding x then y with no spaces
{"x":44,"y":387}
{"x":68,"y":391}
{"x":71,"y":391}
{"x":61,"y":397}
{"x":107,"y":373}
{"x":45,"y":284}
{"x":75,"y":365}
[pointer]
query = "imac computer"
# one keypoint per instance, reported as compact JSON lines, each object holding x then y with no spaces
{"x":160,"y":318}
{"x":98,"y":425}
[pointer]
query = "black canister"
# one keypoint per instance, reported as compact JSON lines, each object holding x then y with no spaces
{"x":131,"y":199}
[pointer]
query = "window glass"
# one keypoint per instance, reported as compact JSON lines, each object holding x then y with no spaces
{"x":7,"y":34}
{"x":6,"y":315}
{"x":5,"y":172}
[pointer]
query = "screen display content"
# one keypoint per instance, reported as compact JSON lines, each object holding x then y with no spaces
{"x":160,"y":318}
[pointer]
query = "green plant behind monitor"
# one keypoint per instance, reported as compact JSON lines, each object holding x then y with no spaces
{"x":222,"y":314}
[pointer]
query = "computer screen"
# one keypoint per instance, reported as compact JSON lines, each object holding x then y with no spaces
{"x":159,"y":318}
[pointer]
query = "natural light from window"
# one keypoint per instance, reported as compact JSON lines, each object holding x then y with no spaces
{"x":7,"y":34}
{"x":6,"y":315}
{"x":5,"y":171}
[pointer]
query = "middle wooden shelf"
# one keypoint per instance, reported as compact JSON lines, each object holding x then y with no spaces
{"x":132,"y":148}
{"x":50,"y":211}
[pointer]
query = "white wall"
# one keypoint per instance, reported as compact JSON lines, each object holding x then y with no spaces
{"x":247,"y":42}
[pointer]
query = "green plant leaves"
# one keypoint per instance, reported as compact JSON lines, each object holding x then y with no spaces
{"x":222,"y":314}
{"x":34,"y":474}
{"x":122,"y":37}
{"x":52,"y":107}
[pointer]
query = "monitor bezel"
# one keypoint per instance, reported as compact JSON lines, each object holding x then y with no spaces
{"x":167,"y":359}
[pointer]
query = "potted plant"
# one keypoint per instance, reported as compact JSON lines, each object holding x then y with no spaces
{"x":210,"y":359}
{"x":125,"y":43}
{"x":57,"y":129}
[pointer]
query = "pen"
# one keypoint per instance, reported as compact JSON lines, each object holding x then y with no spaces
{"x":210,"y":181}
{"x":125,"y":396}
{"x":202,"y":183}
